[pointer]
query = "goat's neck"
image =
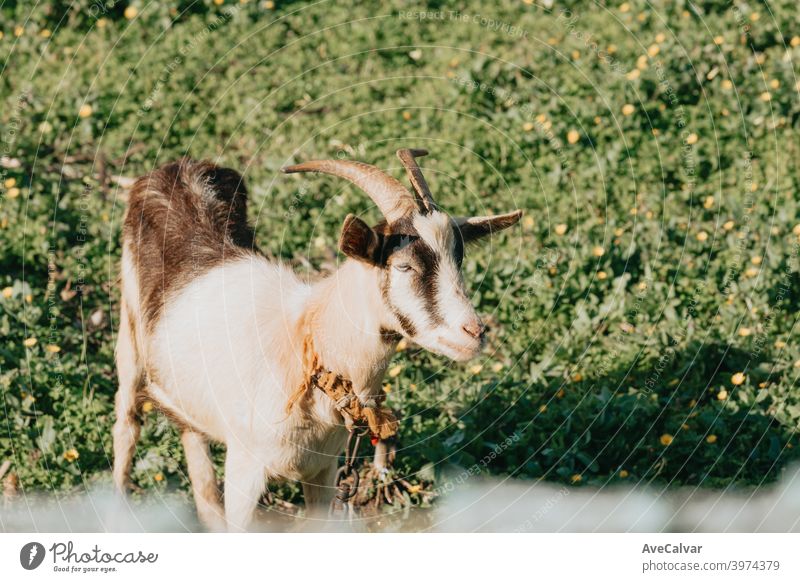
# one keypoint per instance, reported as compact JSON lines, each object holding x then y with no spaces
{"x":346,"y":314}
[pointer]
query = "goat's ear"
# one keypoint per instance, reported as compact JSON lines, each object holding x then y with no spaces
{"x":475,"y":227}
{"x":359,"y":241}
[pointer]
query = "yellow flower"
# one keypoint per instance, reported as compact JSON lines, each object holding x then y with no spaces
{"x":796,"y":229}
{"x":527,"y":222}
{"x":774,"y":84}
{"x":12,"y":192}
{"x":543,"y":408}
{"x":412,"y":387}
{"x":560,"y":393}
{"x":52,"y":348}
{"x":497,"y":366}
{"x":85,"y":111}
{"x":702,"y":236}
{"x":561,"y":229}
{"x":598,"y":251}
{"x":729,"y":225}
{"x":627,"y":327}
{"x":602,"y":275}
{"x":795,"y":41}
{"x":573,"y":136}
{"x":101,"y":23}
{"x":401,"y":345}
{"x":641,"y":63}
{"x":10,"y":182}
{"x":722,"y":394}
{"x":30,"y":342}
{"x":754,"y":16}
{"x":269,"y":5}
{"x":8,"y":292}
{"x":407,"y":115}
{"x":577,"y":377}
{"x":718,"y":40}
{"x":708,"y":202}
{"x":738,"y":378}
{"x":661,"y":37}
{"x":19,"y":31}
{"x":780,"y":344}
{"x":751,"y":272}
{"x":131,"y":12}
{"x":628,"y":109}
{"x":576,"y":478}
{"x":653,"y":50}
{"x":476,"y":369}
{"x":711,"y":439}
{"x":158,"y":477}
{"x":623,"y":474}
{"x":394,"y":372}
{"x":765,"y":96}
{"x":387,"y":388}
{"x":666,"y":439}
{"x":71,"y":455}
{"x":527,"y":126}
{"x":691,"y":139}
{"x":147,"y":406}
{"x":45,"y":33}
{"x":745,"y":331}
{"x":727,"y":84}
{"x":633,"y":74}
{"x":756,"y":260}
{"x":624,"y":7}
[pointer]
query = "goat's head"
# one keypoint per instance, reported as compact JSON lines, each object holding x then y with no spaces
{"x":418,"y":250}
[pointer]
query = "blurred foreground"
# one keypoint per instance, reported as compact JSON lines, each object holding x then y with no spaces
{"x":485,"y":506}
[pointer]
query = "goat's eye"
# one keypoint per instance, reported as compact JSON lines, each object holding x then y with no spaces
{"x":404,"y":267}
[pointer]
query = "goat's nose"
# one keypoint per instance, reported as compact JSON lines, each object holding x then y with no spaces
{"x":474,"y":329}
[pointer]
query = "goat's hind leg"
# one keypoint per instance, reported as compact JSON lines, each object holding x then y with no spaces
{"x":204,"y":481}
{"x":127,"y":426}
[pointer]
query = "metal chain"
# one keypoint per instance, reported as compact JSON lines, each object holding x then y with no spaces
{"x":346,"y":491}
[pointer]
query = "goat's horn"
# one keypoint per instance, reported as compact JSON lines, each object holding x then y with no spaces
{"x":408,"y":156}
{"x":392,"y":198}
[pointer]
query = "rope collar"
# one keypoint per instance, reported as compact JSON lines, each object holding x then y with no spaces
{"x":380,"y":419}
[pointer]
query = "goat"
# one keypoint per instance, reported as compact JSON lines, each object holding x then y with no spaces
{"x":212,"y":332}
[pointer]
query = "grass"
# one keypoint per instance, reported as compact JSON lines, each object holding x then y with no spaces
{"x":643,"y":314}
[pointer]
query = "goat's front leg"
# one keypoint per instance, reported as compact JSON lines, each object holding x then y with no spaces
{"x":318,"y":491}
{"x":244,"y":484}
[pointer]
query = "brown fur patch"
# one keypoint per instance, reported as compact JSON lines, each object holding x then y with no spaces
{"x":389,"y":336}
{"x":182,"y":220}
{"x":144,"y":395}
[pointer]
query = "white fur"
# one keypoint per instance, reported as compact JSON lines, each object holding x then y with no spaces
{"x":227,"y":356}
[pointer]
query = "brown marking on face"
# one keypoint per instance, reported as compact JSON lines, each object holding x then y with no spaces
{"x":182,"y":220}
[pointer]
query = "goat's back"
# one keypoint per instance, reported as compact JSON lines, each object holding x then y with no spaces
{"x":183,"y":219}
